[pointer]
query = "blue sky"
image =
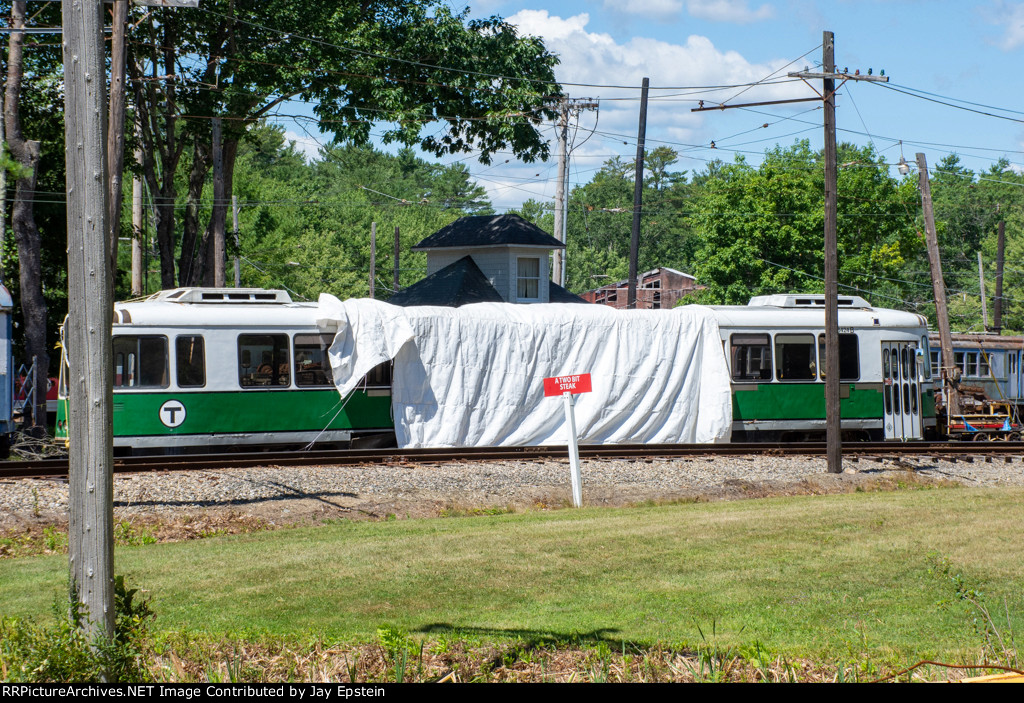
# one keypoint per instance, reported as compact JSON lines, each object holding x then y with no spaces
{"x":964,"y":52}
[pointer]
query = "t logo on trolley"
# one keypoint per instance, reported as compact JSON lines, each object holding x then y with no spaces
{"x":172,"y":413}
{"x":567,"y":386}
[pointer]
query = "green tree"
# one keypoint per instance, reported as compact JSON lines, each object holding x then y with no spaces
{"x":306,"y":227}
{"x":601,"y":220}
{"x":33,"y":108}
{"x":760,"y":231}
{"x":401,"y":65}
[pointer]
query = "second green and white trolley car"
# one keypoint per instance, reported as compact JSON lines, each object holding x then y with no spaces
{"x":198,"y":369}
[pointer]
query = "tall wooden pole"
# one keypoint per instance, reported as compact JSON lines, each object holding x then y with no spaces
{"x":115,"y":129}
{"x":557,"y":259}
{"x":1000,"y":258}
{"x":981,"y":286}
{"x":238,"y":241}
{"x":947,"y":371}
{"x":638,"y":199}
{"x":218,"y":217}
{"x":90,"y":308}
{"x":137,"y":232}
{"x":833,"y":422}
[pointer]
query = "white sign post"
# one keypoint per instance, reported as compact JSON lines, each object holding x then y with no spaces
{"x":567,"y":387}
{"x":574,"y":451}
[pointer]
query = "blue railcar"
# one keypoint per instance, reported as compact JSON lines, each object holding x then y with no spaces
{"x":6,"y":372}
{"x":988,"y":364}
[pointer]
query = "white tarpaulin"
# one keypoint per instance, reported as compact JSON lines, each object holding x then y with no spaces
{"x":473,"y":376}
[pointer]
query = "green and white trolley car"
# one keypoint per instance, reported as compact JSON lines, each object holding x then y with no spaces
{"x":197,"y":368}
{"x":775,"y":347}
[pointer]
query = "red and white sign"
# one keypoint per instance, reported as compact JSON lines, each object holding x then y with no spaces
{"x":577,"y":383}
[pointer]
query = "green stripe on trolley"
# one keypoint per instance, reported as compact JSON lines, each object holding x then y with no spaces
{"x":802,"y":401}
{"x":149,"y":414}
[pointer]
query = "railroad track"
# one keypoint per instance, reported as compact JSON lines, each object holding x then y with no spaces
{"x":856,"y":452}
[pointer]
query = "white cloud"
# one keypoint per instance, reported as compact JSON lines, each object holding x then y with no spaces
{"x":596,"y":58}
{"x":309,"y":146}
{"x":1011,"y":17}
{"x":737,"y":11}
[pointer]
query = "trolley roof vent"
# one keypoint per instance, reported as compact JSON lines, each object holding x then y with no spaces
{"x":807,"y":301}
{"x":224,"y":295}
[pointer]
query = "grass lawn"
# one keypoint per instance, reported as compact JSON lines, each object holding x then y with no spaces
{"x":827,"y":577}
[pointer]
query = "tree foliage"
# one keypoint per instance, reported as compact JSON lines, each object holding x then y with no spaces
{"x":400,"y":65}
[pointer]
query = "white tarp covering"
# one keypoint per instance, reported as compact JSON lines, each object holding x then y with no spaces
{"x":473,"y":376}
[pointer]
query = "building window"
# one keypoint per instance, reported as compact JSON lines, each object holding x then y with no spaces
{"x":973,"y":364}
{"x":140,"y":362}
{"x":528,"y":278}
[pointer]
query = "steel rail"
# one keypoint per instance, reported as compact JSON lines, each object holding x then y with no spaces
{"x":58,"y":468}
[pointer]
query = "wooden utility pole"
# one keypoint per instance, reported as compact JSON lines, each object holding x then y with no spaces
{"x":567,"y":107}
{"x":218,"y":217}
{"x":90,"y":308}
{"x":238,"y":241}
{"x":398,"y":251}
{"x":981,"y":284}
{"x":828,"y":76}
{"x":947,"y":371}
{"x":833,"y":422}
{"x":115,"y":129}
{"x":557,"y":256}
{"x":137,"y":231}
{"x":833,"y":416}
{"x":638,"y":199}
{"x":1000,"y":257}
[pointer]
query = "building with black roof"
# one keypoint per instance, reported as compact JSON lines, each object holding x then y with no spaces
{"x":487,"y":258}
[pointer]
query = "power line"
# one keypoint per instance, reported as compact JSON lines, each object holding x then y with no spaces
{"x":949,"y":104}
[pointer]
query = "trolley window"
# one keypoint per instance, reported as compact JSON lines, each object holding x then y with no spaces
{"x":751,"y":357}
{"x":263,"y":360}
{"x":849,"y":357}
{"x":191,"y":361}
{"x":312,"y":368}
{"x":379,"y":376}
{"x":794,"y":357}
{"x":140,"y":362}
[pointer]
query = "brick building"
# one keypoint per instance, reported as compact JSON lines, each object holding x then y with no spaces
{"x":658,"y":289}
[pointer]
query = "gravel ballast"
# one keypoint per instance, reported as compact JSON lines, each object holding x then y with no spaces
{"x":287,"y":495}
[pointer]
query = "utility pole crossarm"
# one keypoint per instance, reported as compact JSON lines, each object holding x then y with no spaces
{"x":838,"y":76}
{"x":723,"y":106}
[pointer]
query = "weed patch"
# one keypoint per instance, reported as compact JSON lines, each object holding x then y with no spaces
{"x":63,"y":652}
